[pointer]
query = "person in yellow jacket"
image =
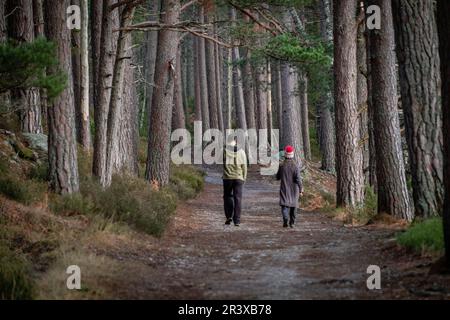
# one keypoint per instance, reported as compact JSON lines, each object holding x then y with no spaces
{"x":234,"y":176}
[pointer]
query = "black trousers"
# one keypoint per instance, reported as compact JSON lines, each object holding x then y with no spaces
{"x":232,"y":199}
{"x":288,"y":213}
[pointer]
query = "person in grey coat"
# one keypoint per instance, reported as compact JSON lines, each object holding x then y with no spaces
{"x":290,"y":187}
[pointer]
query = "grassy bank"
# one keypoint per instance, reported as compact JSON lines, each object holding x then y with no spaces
{"x":41,"y":233}
{"x":426,"y":237}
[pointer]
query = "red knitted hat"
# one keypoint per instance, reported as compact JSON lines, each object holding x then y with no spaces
{"x":289,"y":152}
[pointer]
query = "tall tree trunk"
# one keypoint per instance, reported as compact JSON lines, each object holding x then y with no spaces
{"x":237,"y":83}
{"x":276,"y":93}
{"x":116,"y":102}
{"x":211,"y":82}
{"x":107,"y":59}
{"x":76,"y":73}
{"x":203,"y":76}
{"x":219,"y":70}
{"x":261,"y":95}
{"x":4,"y":97}
{"x":158,"y":162}
{"x":361,"y":52}
{"x":297,"y":105}
{"x":393,"y":197}
{"x":443,"y":23}
{"x":349,"y":160}
{"x":418,"y":58}
{"x":289,"y":113}
{"x":228,"y":86}
{"x":3,"y":29}
{"x":62,"y":149}
{"x":304,"y":110}
{"x":21,"y":29}
{"x":39,"y":31}
{"x":248,"y":90}
{"x":84,"y":131}
{"x":178,"y":116}
{"x":269,"y":102}
{"x":327,"y":129}
{"x":151,"y":42}
{"x":128,"y":138}
{"x":327,"y":135}
{"x":197,"y":84}
{"x":372,"y":169}
{"x":96,"y":33}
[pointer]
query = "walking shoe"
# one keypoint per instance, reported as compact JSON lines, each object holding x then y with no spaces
{"x":291,"y":225}
{"x":285,"y":224}
{"x":228,"y":222}
{"x":238,"y":224}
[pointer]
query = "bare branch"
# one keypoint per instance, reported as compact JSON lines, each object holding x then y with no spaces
{"x":125,"y":2}
{"x":252,"y":17}
{"x":188,"y":4}
{"x":207,"y":37}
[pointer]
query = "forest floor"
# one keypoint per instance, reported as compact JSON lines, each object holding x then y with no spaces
{"x":321,"y":258}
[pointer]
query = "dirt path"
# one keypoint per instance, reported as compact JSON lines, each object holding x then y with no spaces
{"x":200,"y":257}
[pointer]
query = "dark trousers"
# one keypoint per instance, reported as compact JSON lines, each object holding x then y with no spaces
{"x":232,"y":199}
{"x":288,"y":214}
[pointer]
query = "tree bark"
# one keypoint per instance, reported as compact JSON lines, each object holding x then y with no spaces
{"x":261,"y":95}
{"x":62,"y":149}
{"x":349,"y":160}
{"x":362,"y":92}
{"x":3,"y":29}
{"x":21,"y":29}
{"x":443,"y":23}
{"x":203,"y":76}
{"x":248,"y":90}
{"x":126,"y":159}
{"x":238,"y":92}
{"x":197,"y":84}
{"x":276,"y":94}
{"x":372,"y":169}
{"x":76,"y":73}
{"x":151,"y":42}
{"x":84,"y":130}
{"x":393,"y":197}
{"x":418,"y":57}
{"x":289,"y":113}
{"x":211,"y":82}
{"x":158,"y":162}
{"x":106,"y":60}
{"x":219,"y":69}
{"x":178,"y":116}
{"x":116,"y":102}
{"x":327,"y":135}
{"x":96,"y":32}
{"x":304,"y":110}
{"x":327,"y":129}
{"x":228,"y":85}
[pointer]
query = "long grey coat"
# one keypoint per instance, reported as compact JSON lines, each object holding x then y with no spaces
{"x":291,"y":183}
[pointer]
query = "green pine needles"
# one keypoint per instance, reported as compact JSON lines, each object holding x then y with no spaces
{"x":25,"y":65}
